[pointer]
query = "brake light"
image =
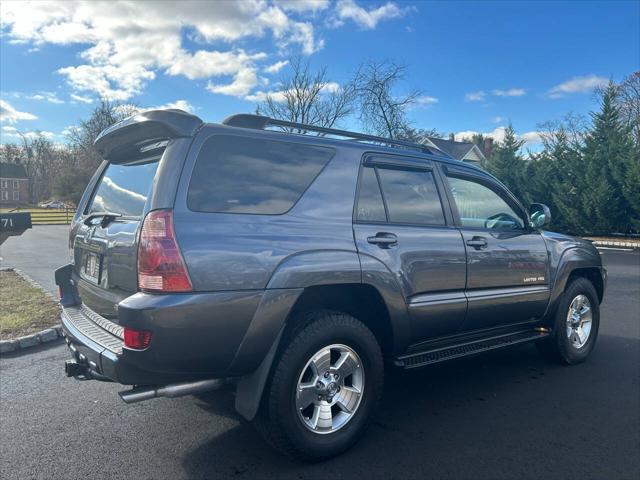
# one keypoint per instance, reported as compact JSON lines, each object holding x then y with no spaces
{"x":137,"y":339}
{"x":160,"y":264}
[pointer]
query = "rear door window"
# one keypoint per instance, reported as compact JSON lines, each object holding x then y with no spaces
{"x":248,"y":175}
{"x":124,"y":189}
{"x":411,"y":196}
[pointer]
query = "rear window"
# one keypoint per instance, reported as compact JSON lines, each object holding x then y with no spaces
{"x":124,"y":189}
{"x":247,"y":175}
{"x":411,"y":196}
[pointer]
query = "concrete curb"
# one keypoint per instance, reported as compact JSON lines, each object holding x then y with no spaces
{"x":615,"y":243}
{"x":28,"y":341}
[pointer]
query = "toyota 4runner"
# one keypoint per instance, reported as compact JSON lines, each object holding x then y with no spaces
{"x":292,"y":260}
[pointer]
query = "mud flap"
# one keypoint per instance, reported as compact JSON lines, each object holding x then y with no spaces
{"x":250,"y":388}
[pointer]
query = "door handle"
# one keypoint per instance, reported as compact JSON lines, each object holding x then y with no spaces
{"x":477,"y":243}
{"x":383,"y":239}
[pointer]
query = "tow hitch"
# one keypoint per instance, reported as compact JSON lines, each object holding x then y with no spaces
{"x":83,"y":371}
{"x":76,"y":370}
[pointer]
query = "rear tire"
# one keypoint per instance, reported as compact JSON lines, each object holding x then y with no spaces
{"x":311,"y":409}
{"x":576,"y":322}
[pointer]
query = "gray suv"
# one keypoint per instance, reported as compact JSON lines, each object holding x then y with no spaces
{"x":292,"y":261}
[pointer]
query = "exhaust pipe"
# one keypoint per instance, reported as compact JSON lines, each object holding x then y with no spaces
{"x":140,"y":394}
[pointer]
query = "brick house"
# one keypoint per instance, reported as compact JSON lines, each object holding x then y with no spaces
{"x":14,"y":185}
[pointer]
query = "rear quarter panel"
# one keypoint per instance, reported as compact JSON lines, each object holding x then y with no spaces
{"x":242,"y":251}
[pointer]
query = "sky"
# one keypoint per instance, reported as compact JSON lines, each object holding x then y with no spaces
{"x":479,"y":65}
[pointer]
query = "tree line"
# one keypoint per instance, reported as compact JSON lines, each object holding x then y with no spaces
{"x":588,"y":170}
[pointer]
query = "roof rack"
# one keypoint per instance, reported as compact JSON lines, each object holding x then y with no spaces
{"x":259,"y":122}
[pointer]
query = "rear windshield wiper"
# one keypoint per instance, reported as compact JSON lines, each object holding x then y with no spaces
{"x":107,"y":218}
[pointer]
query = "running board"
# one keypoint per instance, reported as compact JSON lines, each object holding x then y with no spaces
{"x":429,"y":357}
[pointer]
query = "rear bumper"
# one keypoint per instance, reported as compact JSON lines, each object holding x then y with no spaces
{"x":200,"y":335}
{"x":101,"y":351}
{"x":194,"y":336}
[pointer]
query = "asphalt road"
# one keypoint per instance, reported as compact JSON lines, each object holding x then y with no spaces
{"x":38,"y":252}
{"x":507,"y":414}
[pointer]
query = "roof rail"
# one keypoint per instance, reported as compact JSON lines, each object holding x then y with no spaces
{"x":259,"y":122}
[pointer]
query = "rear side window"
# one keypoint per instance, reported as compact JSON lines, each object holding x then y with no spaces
{"x":124,"y":189}
{"x":370,"y":205}
{"x":247,"y":175}
{"x":411,"y":196}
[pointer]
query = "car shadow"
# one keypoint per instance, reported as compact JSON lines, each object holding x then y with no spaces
{"x":448,"y":420}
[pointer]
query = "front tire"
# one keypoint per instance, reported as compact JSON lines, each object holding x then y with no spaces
{"x":576,"y":323}
{"x":324,"y":388}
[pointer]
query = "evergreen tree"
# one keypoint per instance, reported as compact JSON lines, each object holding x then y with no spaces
{"x":553,"y":177}
{"x":608,"y":157}
{"x":507,"y":164}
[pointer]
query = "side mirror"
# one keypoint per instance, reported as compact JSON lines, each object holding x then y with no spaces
{"x":539,"y":215}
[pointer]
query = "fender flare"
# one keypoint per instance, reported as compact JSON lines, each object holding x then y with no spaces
{"x":571,"y":259}
{"x":308,"y":269}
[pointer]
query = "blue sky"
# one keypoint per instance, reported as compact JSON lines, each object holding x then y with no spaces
{"x":478,"y":64}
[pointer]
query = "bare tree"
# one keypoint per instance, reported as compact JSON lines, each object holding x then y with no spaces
{"x":628,"y":100}
{"x":381,"y":111}
{"x":570,"y":130}
{"x":81,"y":138}
{"x":307,"y":96}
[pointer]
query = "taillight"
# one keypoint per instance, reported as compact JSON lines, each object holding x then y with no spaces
{"x":160,"y":264}
{"x":137,"y":339}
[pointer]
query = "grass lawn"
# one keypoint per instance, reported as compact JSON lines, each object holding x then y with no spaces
{"x":24,"y":309}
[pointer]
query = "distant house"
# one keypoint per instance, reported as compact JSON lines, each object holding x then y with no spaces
{"x":14,"y":184}
{"x":463,"y":151}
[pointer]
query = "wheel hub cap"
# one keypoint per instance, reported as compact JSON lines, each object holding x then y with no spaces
{"x":579,"y":321}
{"x":329,"y":389}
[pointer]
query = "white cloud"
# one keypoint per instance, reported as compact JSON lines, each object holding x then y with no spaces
{"x":11,"y":132}
{"x":178,"y":104}
{"x":426,"y":100}
{"x":582,"y":84}
{"x":50,"y":97}
{"x":260,"y":96}
{"x":302,"y":5}
{"x":498,"y":135}
{"x":205,"y":64}
{"x":240,"y":86}
{"x":280,"y":95}
{"x":366,"y":19}
{"x":11,"y":115}
{"x":80,"y":98}
{"x":497,"y":119}
{"x":478,"y":96}
{"x":68,"y":130}
{"x":131,"y":44}
{"x":512,"y":92}
{"x":276,"y":67}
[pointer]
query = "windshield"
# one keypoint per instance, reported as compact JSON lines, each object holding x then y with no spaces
{"x":124,"y":189}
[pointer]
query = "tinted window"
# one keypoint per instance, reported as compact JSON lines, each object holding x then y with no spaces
{"x":370,"y":206}
{"x":411,"y":196}
{"x":481,"y":207}
{"x":124,"y":189}
{"x":246,"y":175}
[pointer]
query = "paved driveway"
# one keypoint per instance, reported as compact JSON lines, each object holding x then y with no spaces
{"x":38,"y":252}
{"x":507,"y":414}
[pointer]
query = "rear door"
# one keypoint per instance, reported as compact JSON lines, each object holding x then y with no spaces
{"x":507,"y":264}
{"x":105,"y":247}
{"x":400,"y":220}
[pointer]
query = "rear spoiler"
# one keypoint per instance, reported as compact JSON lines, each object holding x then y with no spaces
{"x":126,"y":140}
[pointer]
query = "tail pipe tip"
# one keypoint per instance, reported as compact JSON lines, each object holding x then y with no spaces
{"x":140,"y":394}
